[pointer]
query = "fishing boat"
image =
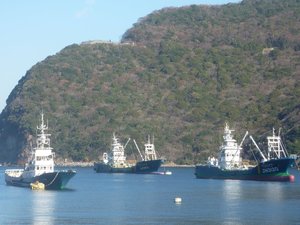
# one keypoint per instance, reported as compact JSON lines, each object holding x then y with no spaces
{"x":115,"y":161}
{"x":228,"y":165}
{"x":40,"y":166}
{"x":150,"y":162}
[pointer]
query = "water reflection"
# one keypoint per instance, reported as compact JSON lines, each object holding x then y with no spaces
{"x":274,"y":191}
{"x":130,"y":194}
{"x":232,"y":195}
{"x":231,"y":190}
{"x":43,"y":205}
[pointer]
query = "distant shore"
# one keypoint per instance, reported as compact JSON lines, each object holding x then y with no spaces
{"x":90,"y":164}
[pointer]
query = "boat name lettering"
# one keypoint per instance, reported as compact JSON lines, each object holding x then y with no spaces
{"x":144,"y":167}
{"x":270,"y":170}
{"x":268,"y":165}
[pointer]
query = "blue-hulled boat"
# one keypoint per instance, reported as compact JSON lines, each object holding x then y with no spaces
{"x":115,"y":161}
{"x":229,"y":165}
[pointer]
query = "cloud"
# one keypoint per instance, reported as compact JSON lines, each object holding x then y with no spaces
{"x":86,"y":9}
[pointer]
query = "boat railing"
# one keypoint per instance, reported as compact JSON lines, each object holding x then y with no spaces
{"x":14,"y":172}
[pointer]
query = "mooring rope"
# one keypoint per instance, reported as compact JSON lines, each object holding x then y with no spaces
{"x":53,"y":179}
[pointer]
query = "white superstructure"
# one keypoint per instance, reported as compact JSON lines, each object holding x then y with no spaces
{"x":276,"y":149}
{"x":229,"y":151}
{"x":41,"y":159}
{"x":116,"y":157}
{"x":150,"y":153}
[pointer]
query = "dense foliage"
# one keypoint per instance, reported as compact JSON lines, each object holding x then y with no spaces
{"x":178,"y":74}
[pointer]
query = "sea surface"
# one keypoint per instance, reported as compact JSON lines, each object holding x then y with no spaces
{"x":93,"y":198}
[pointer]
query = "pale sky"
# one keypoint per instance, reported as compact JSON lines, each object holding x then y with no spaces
{"x":31,"y":30}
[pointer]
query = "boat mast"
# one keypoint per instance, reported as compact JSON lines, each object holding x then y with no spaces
{"x":43,"y":140}
{"x":243,"y":139}
{"x":240,"y":146}
{"x":260,"y":152}
{"x":138,"y":149}
{"x":150,"y":153}
{"x":126,"y":143}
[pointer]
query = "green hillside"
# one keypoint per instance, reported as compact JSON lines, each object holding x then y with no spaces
{"x":178,"y":74}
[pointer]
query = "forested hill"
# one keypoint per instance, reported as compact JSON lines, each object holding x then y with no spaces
{"x":178,"y":74}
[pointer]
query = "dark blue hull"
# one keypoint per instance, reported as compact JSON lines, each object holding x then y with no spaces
{"x":105,"y":168}
{"x":272,"y":170}
{"x":140,"y":167}
{"x":52,"y":181}
{"x":148,"y":166}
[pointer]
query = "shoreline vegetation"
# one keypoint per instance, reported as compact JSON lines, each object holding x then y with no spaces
{"x":195,"y":67}
{"x":91,"y":164}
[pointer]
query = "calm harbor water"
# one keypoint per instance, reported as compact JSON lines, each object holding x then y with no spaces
{"x":149,"y":199}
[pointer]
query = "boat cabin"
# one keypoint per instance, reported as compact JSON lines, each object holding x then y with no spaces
{"x":229,"y":151}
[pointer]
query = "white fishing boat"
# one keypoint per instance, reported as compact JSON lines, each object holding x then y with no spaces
{"x":40,"y":166}
{"x":115,"y":160}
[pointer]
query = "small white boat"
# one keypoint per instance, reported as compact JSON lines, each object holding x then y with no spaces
{"x":165,"y":172}
{"x":168,"y":172}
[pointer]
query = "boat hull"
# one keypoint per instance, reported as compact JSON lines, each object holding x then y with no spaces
{"x":272,"y":170}
{"x":52,"y":181}
{"x":106,"y":168}
{"x":148,"y":166}
{"x":140,"y":167}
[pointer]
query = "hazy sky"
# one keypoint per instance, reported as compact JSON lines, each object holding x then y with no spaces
{"x":31,"y":30}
